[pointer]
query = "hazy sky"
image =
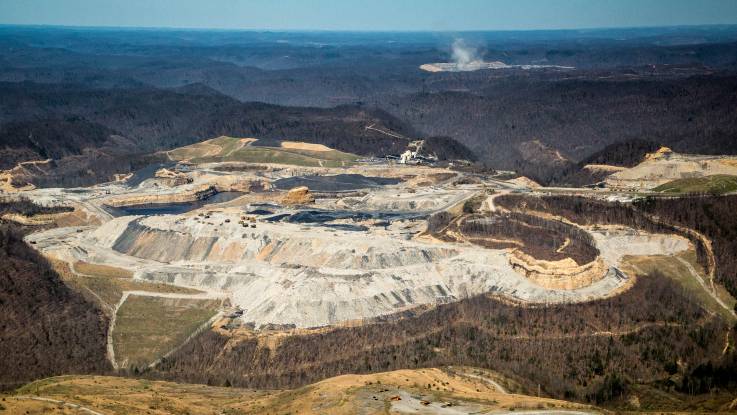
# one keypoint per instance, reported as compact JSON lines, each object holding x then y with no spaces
{"x":370,"y":14}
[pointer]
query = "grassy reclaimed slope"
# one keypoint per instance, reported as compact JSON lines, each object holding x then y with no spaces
{"x":716,"y":184}
{"x":146,"y":328}
{"x":105,"y":285}
{"x":672,"y":267}
{"x":102,"y":270}
{"x":108,"y":291}
{"x":131,"y":396}
{"x":228,"y":144}
{"x":234,"y":149}
{"x":276,"y":155}
{"x":219,"y":146}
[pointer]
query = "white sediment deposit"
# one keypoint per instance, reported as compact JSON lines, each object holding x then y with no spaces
{"x":292,"y":274}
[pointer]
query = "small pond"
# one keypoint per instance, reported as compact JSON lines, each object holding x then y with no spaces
{"x":171,"y":208}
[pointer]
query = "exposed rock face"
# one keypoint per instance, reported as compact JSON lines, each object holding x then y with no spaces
{"x":603,"y":168}
{"x":200,"y":192}
{"x":28,"y":220}
{"x":422,"y":199}
{"x":298,"y":196}
{"x":526,"y":182}
{"x":564,"y":274}
{"x":661,"y":153}
{"x":172,"y":178}
{"x":188,"y":190}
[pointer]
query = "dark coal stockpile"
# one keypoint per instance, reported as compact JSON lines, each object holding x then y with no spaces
{"x":260,"y":212}
{"x":324,"y":218}
{"x":336,"y":183}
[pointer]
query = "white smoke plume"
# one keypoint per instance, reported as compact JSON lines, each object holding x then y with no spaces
{"x":464,"y":56}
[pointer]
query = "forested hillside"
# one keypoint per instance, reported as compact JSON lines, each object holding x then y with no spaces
{"x":46,"y":329}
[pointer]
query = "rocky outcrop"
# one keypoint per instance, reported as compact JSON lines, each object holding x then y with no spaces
{"x":525,"y":182}
{"x":202,"y":188}
{"x":661,"y":153}
{"x":172,"y":178}
{"x":564,"y":274}
{"x":36,"y":220}
{"x":298,"y":196}
{"x":197,"y":193}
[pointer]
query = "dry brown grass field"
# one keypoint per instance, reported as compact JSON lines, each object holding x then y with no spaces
{"x":451,"y":390}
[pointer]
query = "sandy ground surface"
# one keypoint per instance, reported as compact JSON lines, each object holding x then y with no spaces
{"x":298,"y":145}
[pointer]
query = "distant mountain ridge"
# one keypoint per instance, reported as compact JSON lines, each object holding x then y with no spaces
{"x":163,"y":89}
{"x":40,"y":121}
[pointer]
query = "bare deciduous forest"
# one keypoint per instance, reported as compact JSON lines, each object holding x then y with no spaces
{"x":46,"y":328}
{"x":573,"y":351}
